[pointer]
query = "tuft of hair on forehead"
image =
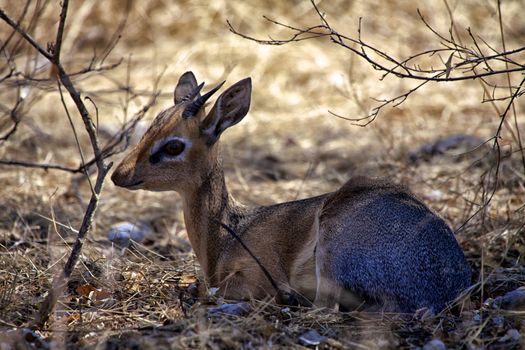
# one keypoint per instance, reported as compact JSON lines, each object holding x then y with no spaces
{"x":161,"y":119}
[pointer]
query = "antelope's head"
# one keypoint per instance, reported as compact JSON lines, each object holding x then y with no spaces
{"x":180,"y":146}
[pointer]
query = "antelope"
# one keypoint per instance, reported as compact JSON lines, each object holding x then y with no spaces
{"x":369,"y":243}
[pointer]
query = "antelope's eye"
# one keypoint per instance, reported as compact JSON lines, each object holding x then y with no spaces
{"x":173,"y":148}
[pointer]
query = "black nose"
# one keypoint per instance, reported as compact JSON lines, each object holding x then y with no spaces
{"x":119,"y":178}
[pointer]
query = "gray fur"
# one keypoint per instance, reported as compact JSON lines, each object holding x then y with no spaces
{"x":395,"y":252}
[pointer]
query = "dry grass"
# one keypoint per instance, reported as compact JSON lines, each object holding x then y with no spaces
{"x":288,"y":147}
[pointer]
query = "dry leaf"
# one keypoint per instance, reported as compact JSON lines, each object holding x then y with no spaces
{"x":92,"y":293}
{"x":85,"y":289}
{"x":186,"y":280}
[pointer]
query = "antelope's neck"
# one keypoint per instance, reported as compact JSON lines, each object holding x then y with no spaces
{"x":205,"y":208}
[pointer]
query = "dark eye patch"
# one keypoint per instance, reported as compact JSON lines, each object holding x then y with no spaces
{"x":155,"y":157}
{"x":171,"y":148}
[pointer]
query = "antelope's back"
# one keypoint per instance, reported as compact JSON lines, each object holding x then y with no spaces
{"x":388,"y":246}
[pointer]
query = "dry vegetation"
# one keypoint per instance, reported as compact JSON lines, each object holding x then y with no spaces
{"x":288,"y":147}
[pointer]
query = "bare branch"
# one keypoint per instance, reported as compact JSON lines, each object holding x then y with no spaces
{"x":516,"y":125}
{"x":460,"y":66}
{"x":60,"y":32}
{"x":22,"y":16}
{"x":15,"y":118}
{"x":25,"y":35}
{"x":37,"y":165}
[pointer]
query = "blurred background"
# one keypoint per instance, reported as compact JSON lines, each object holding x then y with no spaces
{"x":289,"y":146}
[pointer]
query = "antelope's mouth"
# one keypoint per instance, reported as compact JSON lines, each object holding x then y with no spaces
{"x":132,"y":186}
{"x":135,"y":184}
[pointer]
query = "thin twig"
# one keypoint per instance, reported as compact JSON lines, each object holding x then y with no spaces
{"x":60,"y":32}
{"x":75,"y":135}
{"x":25,"y":35}
{"x":516,"y":125}
{"x":261,"y":266}
{"x":496,"y":147}
{"x":21,"y":163}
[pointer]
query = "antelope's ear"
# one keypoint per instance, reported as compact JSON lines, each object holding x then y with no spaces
{"x":229,"y":109}
{"x":186,"y":85}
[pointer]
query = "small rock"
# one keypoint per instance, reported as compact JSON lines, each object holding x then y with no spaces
{"x":212,"y":291}
{"x":459,"y":142}
{"x":511,"y":335}
{"x":239,"y":309}
{"x":312,"y":338}
{"x":123,"y":233}
{"x":435,"y":195}
{"x":514,"y":300}
{"x":24,"y":91}
{"x":435,"y":344}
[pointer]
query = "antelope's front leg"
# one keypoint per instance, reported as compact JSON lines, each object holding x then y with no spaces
{"x":239,"y":285}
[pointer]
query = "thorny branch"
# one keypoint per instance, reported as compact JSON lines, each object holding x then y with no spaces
{"x":461,"y":63}
{"x":15,"y":118}
{"x":497,"y":147}
{"x":25,"y":35}
{"x":113,"y":146}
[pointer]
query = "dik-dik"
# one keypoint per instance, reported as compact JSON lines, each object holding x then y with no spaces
{"x":369,"y":242}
